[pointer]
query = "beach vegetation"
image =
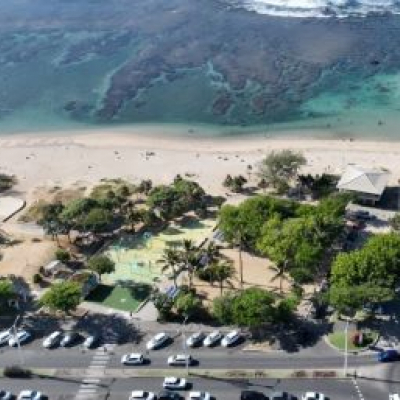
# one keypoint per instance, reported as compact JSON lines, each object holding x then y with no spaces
{"x":171,"y":201}
{"x":280,"y":168}
{"x":188,"y":304}
{"x":6,"y":290}
{"x":235,"y":183}
{"x":63,"y":296}
{"x":318,"y":186}
{"x":101,"y":264}
{"x":62,"y":255}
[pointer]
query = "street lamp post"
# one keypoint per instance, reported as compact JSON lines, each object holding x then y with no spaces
{"x":15,"y":333}
{"x":346,"y":329}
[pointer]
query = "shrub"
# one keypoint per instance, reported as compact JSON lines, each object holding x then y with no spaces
{"x":62,"y":255}
{"x":37,"y":279}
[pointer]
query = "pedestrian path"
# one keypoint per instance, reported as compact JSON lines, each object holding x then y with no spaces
{"x":91,"y":384}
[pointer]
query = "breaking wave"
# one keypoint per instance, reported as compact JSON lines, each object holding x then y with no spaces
{"x":319,"y":8}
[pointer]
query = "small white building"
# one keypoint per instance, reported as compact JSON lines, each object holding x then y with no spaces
{"x":367,"y":184}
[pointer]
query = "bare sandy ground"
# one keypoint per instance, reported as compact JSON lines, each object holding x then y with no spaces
{"x":82,"y":158}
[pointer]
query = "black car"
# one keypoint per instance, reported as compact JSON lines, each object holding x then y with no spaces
{"x":252,"y":395}
{"x":166,"y":395}
{"x":282,"y":396}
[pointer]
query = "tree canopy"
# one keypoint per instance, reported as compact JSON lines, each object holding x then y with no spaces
{"x":367,"y":274}
{"x":279,"y":168}
{"x":6,"y":290}
{"x":395,"y":222}
{"x":176,"y":199}
{"x":64,"y":296}
{"x":101,"y":264}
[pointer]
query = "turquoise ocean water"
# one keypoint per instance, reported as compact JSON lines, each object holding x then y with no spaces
{"x":206,"y":68}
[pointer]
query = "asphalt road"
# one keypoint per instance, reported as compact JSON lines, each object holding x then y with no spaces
{"x":218,"y":357}
{"x":220,"y":389}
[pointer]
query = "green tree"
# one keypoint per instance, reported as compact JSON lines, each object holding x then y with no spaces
{"x":350,"y":299}
{"x":222,"y":308}
{"x":64,"y":296}
{"x":163,"y":303}
{"x":62,"y":255}
{"x":188,"y":304}
{"x":101,"y":264}
{"x":222,"y":272}
{"x":279,"y":168}
{"x":188,"y":257}
{"x":170,"y":261}
{"x":6,"y":290}
{"x":254,"y":307}
{"x":96,"y":220}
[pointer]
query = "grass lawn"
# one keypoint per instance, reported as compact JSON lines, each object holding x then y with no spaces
{"x":337,"y":339}
{"x":125,"y":298}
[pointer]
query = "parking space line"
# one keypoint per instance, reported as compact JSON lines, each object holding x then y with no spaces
{"x":358,"y":390}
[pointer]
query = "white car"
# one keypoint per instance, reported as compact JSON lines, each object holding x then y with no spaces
{"x":132,"y":359}
{"x":313,"y":396}
{"x":195,"y":339}
{"x":394,"y":396}
{"x":29,"y":395}
{"x":230,"y":339}
{"x":180,"y":360}
{"x":5,"y":336}
{"x":212,"y":338}
{"x":140,"y":394}
{"x":172,"y":382}
{"x":21,"y":337}
{"x":199,"y":396}
{"x":52,"y":340}
{"x":157,"y":341}
{"x":91,"y":341}
{"x":4,"y":395}
{"x":69,"y":339}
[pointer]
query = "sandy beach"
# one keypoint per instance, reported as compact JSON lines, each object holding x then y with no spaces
{"x":84,"y":157}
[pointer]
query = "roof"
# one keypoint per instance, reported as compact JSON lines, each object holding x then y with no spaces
{"x":358,"y":179}
{"x":53,"y":265}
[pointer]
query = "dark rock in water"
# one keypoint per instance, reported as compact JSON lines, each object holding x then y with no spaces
{"x":375,"y":62}
{"x":222,"y":104}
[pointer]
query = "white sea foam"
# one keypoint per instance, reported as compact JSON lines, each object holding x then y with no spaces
{"x":319,"y":8}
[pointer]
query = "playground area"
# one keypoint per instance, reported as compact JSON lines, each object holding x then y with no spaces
{"x":136,"y":256}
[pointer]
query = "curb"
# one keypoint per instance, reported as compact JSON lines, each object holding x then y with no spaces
{"x":203,"y":373}
{"x":355,"y":352}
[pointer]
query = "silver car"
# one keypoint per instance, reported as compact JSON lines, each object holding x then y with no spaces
{"x":157,"y":341}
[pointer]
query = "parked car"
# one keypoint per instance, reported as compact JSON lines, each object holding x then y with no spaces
{"x":252,"y":395}
{"x":4,"y":395}
{"x":388,"y":355}
{"x":199,"y":396}
{"x":91,"y":341}
{"x":52,"y":340}
{"x":212,"y":338}
{"x":180,"y":360}
{"x":157,"y":341}
{"x":142,"y":395}
{"x":230,"y":339}
{"x":282,"y":396}
{"x":21,"y":337}
{"x":394,"y":396}
{"x":132,"y":359}
{"x":313,"y":396}
{"x":195,"y":340}
{"x":173,"y":382}
{"x":166,"y":395}
{"x":30,"y":395}
{"x":5,"y":336}
{"x":69,"y":339}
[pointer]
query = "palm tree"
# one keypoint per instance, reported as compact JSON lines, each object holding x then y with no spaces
{"x":239,"y":242}
{"x":133,"y":216}
{"x":189,"y":257}
{"x":212,"y":252}
{"x":170,"y":261}
{"x":222,"y":271}
{"x":280,"y":273}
